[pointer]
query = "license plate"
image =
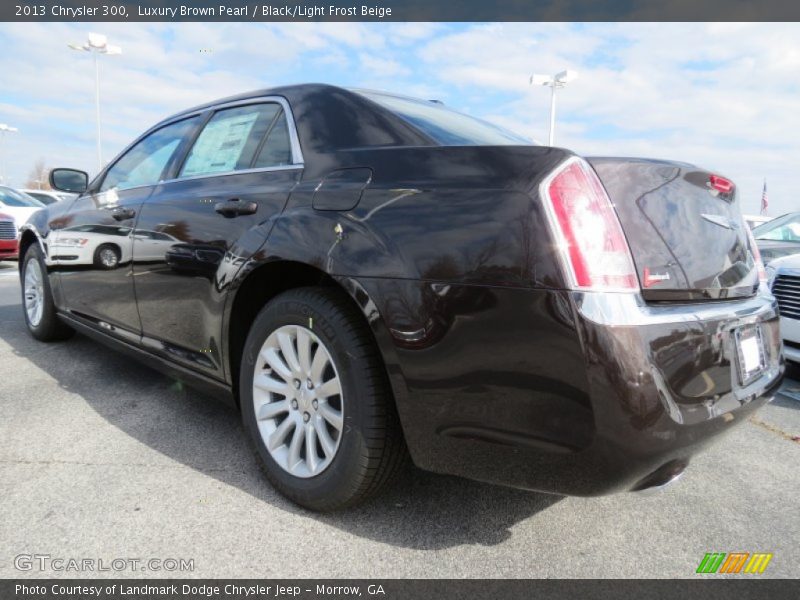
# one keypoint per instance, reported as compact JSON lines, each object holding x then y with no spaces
{"x":750,"y":351}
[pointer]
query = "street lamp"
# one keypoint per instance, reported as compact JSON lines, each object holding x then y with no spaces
{"x":558,"y":80}
{"x":97,"y":44}
{"x":4,"y":129}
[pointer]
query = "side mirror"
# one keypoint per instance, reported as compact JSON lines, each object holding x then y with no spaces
{"x":69,"y":180}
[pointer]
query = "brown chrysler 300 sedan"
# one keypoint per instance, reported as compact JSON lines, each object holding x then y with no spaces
{"x":368,"y":276}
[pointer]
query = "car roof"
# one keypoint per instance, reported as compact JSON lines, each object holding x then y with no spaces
{"x":297,"y":91}
{"x":329,"y":118}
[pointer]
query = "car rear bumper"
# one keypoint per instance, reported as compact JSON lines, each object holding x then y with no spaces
{"x":665,"y":379}
{"x":576,"y":393}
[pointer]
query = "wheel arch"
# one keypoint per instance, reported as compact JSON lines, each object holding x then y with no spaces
{"x":27,"y":238}
{"x":267,"y":280}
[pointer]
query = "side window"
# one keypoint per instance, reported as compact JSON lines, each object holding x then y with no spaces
{"x":144,"y":164}
{"x":230,"y":139}
{"x":788,"y":232}
{"x":276,"y":150}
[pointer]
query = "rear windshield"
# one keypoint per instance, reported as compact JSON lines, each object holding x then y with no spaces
{"x":43,"y":198}
{"x":448,"y":127}
{"x":11,"y":197}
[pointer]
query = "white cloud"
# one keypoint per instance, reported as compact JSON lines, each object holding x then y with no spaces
{"x":725,"y":96}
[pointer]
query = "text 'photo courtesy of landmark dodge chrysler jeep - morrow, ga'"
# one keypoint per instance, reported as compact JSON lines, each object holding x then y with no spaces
{"x":368,"y":276}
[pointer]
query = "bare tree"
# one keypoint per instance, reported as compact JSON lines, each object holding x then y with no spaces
{"x":38,"y":178}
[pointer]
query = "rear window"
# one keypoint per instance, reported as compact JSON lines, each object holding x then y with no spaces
{"x":43,"y":198}
{"x":10,"y":197}
{"x":446,"y":126}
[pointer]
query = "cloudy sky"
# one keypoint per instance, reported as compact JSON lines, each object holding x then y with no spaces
{"x":724,"y":96}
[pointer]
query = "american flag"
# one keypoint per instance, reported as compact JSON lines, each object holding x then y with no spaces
{"x":764,"y":199}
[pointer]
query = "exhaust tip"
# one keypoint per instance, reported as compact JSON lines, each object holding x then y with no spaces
{"x":661,"y":478}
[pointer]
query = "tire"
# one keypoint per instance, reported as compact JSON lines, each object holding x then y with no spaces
{"x":45,"y":326}
{"x":107,"y":256}
{"x":369,"y":450}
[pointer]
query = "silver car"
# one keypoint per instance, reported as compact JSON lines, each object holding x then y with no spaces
{"x":784,"y":279}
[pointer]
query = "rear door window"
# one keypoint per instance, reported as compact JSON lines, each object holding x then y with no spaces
{"x":231,"y":140}
{"x":276,"y":149}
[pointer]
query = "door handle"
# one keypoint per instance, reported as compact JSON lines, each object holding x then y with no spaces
{"x":121,"y":214}
{"x":235,"y":207}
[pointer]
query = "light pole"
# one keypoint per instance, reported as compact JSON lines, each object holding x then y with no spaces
{"x":559,"y":80}
{"x":97,"y":44}
{"x":4,"y":129}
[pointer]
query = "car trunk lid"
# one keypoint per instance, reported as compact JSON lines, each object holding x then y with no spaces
{"x":683,"y":224}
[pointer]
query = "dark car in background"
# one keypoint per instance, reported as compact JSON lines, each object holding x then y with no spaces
{"x":364,"y":274}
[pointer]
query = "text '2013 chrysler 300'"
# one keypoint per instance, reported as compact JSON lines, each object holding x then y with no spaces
{"x":368,"y":276}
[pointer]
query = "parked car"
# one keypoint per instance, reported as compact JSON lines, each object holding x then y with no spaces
{"x":8,"y":237}
{"x":49,"y":196}
{"x":784,"y":278}
{"x":364,"y":274}
{"x":18,"y":204}
{"x":779,"y":237}
{"x":754,"y":221}
{"x":106,"y":246}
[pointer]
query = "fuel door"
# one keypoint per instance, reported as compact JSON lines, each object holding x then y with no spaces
{"x":341,"y":189}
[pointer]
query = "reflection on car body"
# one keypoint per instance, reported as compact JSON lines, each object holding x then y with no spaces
{"x":194,"y":259}
{"x":107,"y":246}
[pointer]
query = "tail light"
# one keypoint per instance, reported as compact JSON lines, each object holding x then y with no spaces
{"x":593,"y":248}
{"x":720,"y":184}
{"x":762,"y":272}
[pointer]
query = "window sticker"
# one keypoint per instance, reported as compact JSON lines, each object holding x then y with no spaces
{"x":220,"y":145}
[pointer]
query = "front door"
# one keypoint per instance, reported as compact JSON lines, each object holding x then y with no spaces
{"x":236,"y":177}
{"x":93,"y":249}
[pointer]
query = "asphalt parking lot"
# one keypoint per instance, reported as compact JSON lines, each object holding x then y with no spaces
{"x":103,"y":458}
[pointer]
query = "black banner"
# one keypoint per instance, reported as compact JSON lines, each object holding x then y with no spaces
{"x":394,"y":589}
{"x":399,"y":10}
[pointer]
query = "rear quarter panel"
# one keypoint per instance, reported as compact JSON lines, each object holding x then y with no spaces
{"x":443,"y":253}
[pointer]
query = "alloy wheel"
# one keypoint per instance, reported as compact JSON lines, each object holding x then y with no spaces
{"x":108,"y":257}
{"x":34,"y":292}
{"x":298,"y":401}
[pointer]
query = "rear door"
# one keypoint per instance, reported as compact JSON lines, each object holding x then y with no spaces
{"x":92,"y":249}
{"x":236,"y":177}
{"x":683,"y":224}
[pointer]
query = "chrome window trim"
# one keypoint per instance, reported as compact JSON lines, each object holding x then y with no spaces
{"x":294,"y":139}
{"x":298,"y":161}
{"x":113,"y":163}
{"x":292,"y":167}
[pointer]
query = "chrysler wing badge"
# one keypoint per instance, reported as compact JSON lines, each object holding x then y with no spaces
{"x":720,"y":220}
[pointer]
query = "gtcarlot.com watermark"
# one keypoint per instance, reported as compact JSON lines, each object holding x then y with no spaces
{"x":64,"y":564}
